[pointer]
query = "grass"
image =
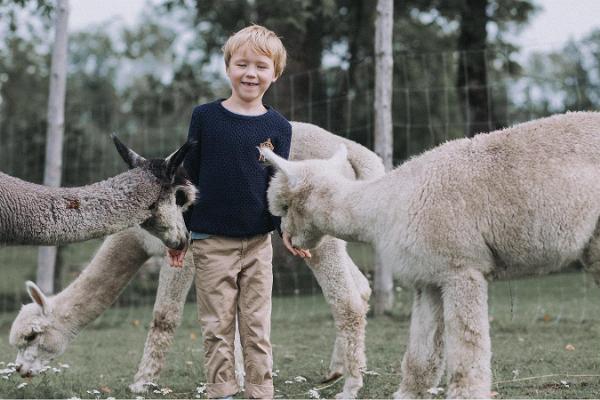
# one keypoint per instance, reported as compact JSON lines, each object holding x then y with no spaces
{"x":545,"y":341}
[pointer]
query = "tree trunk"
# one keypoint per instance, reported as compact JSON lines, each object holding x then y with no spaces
{"x":383,"y":133}
{"x":55,"y":133}
{"x":472,"y":68}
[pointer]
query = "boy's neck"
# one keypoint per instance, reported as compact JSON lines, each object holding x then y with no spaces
{"x":239,"y":106}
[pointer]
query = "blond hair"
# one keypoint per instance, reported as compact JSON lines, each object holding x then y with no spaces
{"x":262,"y":41}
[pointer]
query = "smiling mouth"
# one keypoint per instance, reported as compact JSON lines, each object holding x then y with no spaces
{"x":249,"y":84}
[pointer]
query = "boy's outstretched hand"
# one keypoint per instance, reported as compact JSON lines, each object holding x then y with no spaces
{"x":304,"y":253}
{"x":175,"y":257}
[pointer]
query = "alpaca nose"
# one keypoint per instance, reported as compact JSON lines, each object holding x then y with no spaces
{"x":18,"y":368}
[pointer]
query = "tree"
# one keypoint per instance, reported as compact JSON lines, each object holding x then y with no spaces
{"x":55,"y":133}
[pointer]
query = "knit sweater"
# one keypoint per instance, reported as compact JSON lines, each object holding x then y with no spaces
{"x":225,"y":167}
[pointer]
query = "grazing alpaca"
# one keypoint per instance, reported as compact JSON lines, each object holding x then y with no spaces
{"x":151,"y":194}
{"x":347,"y":294}
{"x":43,"y":329}
{"x":516,"y":202}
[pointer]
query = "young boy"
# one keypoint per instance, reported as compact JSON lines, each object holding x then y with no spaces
{"x":230,"y":222}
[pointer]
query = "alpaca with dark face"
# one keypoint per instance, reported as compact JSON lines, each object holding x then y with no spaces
{"x":151,"y":194}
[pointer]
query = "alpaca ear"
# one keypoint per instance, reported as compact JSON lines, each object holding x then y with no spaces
{"x":38,"y":297}
{"x":132,"y":159}
{"x":176,"y":159}
{"x":291,"y":170}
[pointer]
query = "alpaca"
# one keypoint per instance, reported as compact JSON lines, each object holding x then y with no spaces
{"x":43,"y":329}
{"x":345,"y":288}
{"x":151,"y":193}
{"x":512,"y":203}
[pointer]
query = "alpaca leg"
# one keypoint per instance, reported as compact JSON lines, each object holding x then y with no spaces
{"x":173,"y":287}
{"x":591,"y":257}
{"x":336,"y":366}
{"x":422,"y":365}
{"x":467,"y":336}
{"x":333,"y":270}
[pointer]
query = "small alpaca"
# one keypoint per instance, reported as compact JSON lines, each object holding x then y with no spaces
{"x":517,"y":202}
{"x":151,"y":193}
{"x":347,"y":294}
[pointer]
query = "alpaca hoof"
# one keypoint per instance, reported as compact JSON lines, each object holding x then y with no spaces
{"x":344,"y":395}
{"x":141,"y":387}
{"x":332,"y":376}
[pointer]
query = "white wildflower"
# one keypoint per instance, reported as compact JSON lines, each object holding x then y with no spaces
{"x":11,"y":365}
{"x":22,"y":385}
{"x":1,"y":362}
{"x":564,"y":383}
{"x":93,"y":391}
{"x":201,"y":389}
{"x":288,"y":382}
{"x":110,"y":398}
{"x":139,"y":398}
{"x":515,"y":373}
{"x":64,"y":366}
{"x":154,"y":385}
{"x":435,"y":390}
{"x":7,"y":371}
{"x":46,"y":368}
{"x":314,"y":394}
{"x":56,"y":370}
{"x":5,"y":377}
{"x":74,"y":398}
{"x":300,"y":379}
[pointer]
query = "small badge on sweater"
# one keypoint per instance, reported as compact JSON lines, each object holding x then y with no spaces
{"x":265,"y":145}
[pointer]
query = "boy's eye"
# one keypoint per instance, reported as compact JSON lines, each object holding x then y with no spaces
{"x":241,"y":65}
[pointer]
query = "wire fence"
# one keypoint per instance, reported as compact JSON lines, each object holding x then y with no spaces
{"x":428,"y":109}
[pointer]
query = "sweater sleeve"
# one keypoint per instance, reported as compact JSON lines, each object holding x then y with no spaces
{"x":191,"y":163}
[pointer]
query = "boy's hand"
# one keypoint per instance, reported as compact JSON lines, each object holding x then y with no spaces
{"x":304,"y":253}
{"x":175,"y":257}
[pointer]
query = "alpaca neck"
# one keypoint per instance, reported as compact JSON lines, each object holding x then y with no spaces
{"x":102,"y":281}
{"x":345,"y":216}
{"x":40,"y":215}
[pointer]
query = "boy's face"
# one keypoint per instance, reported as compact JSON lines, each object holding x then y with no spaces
{"x":250,"y":74}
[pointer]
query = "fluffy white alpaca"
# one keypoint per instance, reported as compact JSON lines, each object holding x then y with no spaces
{"x":344,"y":287}
{"x":516,"y":202}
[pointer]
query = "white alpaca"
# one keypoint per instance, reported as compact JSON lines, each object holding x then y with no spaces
{"x":343,"y":285}
{"x":43,"y":329}
{"x":151,"y":193}
{"x":516,"y":202}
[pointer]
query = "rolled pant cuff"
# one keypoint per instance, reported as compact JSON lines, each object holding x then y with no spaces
{"x":218,"y":390}
{"x":253,"y":391}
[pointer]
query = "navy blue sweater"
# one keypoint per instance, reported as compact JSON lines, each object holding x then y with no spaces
{"x":225,"y":167}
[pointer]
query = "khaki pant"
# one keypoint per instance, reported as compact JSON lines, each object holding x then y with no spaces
{"x":235,"y":274}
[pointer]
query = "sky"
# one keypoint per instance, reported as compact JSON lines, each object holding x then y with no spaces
{"x":558,"y":21}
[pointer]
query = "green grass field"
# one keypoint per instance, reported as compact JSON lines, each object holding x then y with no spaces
{"x":545,"y":340}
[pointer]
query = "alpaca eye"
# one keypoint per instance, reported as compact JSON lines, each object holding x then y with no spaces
{"x":180,"y":198}
{"x":31,"y":336}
